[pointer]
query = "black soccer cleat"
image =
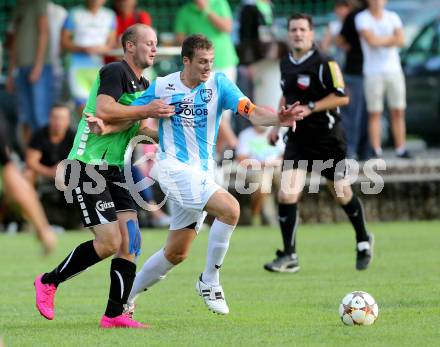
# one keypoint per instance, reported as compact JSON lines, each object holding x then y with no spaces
{"x":364,"y":253}
{"x":283,"y":263}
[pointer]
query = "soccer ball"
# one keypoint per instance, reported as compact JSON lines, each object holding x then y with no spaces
{"x":358,"y":308}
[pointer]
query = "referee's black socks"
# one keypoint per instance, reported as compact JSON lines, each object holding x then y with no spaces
{"x":355,"y":213}
{"x":288,"y":218}
{"x":122,"y":274}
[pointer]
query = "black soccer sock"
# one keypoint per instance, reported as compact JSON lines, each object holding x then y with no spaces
{"x":82,"y":257}
{"x":288,"y":218}
{"x":355,"y":213}
{"x":122,"y":274}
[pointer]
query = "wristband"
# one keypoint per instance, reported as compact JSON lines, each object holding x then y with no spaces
{"x":245,"y":107}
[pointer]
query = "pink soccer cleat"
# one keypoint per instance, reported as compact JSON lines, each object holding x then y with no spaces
{"x":121,"y":321}
{"x":44,"y":295}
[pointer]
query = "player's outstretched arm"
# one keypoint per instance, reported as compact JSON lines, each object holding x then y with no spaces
{"x":262,"y":116}
{"x":110,"y":111}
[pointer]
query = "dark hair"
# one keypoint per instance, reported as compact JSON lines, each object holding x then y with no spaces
{"x":338,"y":3}
{"x":131,"y":34}
{"x":297,"y":16}
{"x":194,"y":42}
{"x":59,"y":105}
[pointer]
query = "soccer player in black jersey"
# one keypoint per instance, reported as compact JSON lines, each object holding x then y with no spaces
{"x":110,"y":214}
{"x":317,"y":144}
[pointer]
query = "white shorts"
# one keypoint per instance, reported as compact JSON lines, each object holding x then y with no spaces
{"x":188,"y":190}
{"x":392,"y":86}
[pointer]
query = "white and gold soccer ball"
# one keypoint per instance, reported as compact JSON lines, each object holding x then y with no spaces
{"x":358,"y":308}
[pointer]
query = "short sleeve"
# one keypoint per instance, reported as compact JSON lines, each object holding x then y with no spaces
{"x":145,"y":18}
{"x":395,"y":20}
{"x":113,"y":23}
{"x":69,"y":23}
{"x":36,"y":142}
{"x":148,"y":96}
{"x":230,"y":94}
{"x":242,"y":146}
{"x":41,"y":6}
{"x":223,"y":9}
{"x":180,"y":22}
{"x":332,"y":77}
{"x":361,"y":22}
{"x":111,"y":81}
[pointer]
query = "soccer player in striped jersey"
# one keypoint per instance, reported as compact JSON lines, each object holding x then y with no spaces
{"x":185,"y":165}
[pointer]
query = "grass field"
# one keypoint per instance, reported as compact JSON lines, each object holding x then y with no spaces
{"x":266,"y":309}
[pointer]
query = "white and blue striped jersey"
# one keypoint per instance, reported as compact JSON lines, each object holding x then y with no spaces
{"x":190,"y":135}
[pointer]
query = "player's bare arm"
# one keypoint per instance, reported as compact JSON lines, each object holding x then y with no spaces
{"x":110,"y":111}
{"x":261,"y":116}
{"x":99,"y":127}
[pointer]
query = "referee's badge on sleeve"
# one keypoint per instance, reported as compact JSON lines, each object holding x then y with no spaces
{"x":303,"y":82}
{"x":338,"y":80}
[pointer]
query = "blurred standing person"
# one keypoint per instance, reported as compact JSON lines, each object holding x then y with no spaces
{"x":381,"y":35}
{"x":29,"y":65}
{"x":341,"y":8}
{"x":213,"y":18}
{"x":354,"y":116}
{"x":57,"y":15}
{"x":88,"y":34}
{"x":127,"y":14}
{"x":255,"y":43}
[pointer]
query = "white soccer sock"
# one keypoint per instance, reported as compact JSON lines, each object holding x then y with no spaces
{"x":154,"y":269}
{"x":218,"y":244}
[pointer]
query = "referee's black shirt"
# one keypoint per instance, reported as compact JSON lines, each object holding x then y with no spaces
{"x":312,"y":78}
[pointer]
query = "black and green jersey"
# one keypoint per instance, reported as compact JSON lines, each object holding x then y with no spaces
{"x":118,"y":81}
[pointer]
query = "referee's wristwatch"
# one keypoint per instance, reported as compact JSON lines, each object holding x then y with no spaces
{"x":311,"y":105}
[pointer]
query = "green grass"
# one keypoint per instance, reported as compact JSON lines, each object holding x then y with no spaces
{"x":266,"y":309}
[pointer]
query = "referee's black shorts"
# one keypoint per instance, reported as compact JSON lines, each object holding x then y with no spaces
{"x":320,"y":150}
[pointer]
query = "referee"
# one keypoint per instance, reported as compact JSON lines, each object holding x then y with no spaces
{"x":317,"y":144}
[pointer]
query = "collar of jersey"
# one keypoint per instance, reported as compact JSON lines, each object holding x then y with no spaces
{"x":302,"y":59}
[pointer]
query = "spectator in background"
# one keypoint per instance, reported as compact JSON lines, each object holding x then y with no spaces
{"x":50,"y":145}
{"x":29,"y":65}
{"x":213,"y":18}
{"x":89,"y":33}
{"x":57,"y":15}
{"x":341,"y":8}
{"x":127,"y":14}
{"x":381,"y":35}
{"x":253,"y":146}
{"x":16,"y":186}
{"x":354,"y":116}
{"x":255,"y":43}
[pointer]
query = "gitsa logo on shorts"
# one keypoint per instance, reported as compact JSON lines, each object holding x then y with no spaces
{"x":101,"y":206}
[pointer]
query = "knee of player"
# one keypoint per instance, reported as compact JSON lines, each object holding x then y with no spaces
{"x":176,"y":256}
{"x":112,"y":243}
{"x":285,"y":198}
{"x":233,"y":211}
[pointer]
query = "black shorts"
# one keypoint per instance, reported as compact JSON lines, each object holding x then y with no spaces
{"x":312,"y":150}
{"x":4,"y":152}
{"x":101,"y":208}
